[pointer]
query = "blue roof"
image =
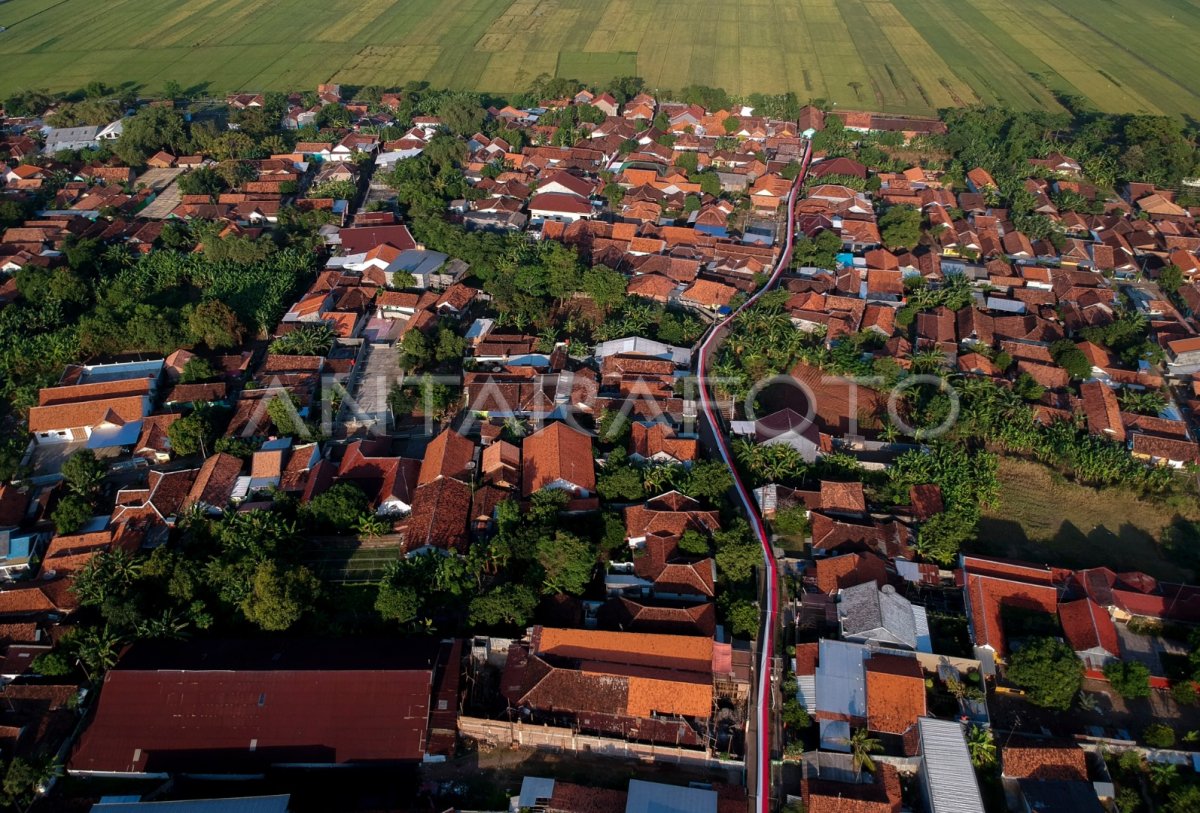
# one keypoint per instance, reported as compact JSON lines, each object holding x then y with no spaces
{"x":247,"y":804}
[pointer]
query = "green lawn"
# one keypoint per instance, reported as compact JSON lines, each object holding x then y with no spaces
{"x":896,"y":55}
{"x":1044,"y":519}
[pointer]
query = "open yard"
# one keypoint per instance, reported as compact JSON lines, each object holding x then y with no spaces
{"x":1043,"y":519}
{"x":896,"y":55}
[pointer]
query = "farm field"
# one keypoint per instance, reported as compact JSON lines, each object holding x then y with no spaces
{"x":1042,"y":518}
{"x":912,"y":56}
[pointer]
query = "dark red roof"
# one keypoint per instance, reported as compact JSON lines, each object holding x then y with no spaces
{"x":238,"y":706}
{"x":365,"y":238}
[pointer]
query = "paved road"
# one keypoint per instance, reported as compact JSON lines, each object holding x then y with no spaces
{"x":758,"y":750}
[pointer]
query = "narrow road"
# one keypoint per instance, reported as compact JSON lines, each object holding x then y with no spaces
{"x":759,"y":782}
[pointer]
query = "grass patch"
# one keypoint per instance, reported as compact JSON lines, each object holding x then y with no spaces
{"x":1043,"y":518}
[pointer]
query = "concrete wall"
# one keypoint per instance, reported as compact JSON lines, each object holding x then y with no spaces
{"x":498,"y":732}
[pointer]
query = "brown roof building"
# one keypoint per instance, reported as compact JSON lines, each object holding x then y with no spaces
{"x":329,"y":702}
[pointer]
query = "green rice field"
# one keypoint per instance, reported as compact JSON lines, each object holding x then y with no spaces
{"x":912,"y":56}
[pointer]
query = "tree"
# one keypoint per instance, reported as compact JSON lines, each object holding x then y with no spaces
{"x":461,"y":113}
{"x":215,"y":324}
{"x":172,"y":90}
{"x":790,"y":521}
{"x":567,"y":563}
{"x":83,"y":472}
{"x":794,"y":714}
{"x":53,"y":664}
{"x":151,"y":129}
{"x":1170,"y":279}
{"x":731,"y":125}
{"x":614,"y":193}
{"x":982,"y":746}
{"x":338,"y":508}
{"x":196,"y":370}
{"x":605,"y":286}
{"x":450,"y":346}
{"x":281,"y":409}
{"x":191,"y":434}
{"x":743,"y":618}
{"x":510,"y":604}
{"x":72,"y":513}
{"x":398,"y":602}
{"x":862,"y":745}
{"x":710,"y":184}
{"x":708,"y":480}
{"x":306,"y":339}
{"x":1184,"y":800}
{"x":737,"y":560}
{"x":1158,"y":735}
{"x":694,"y":543}
{"x":1049,"y":671}
{"x":278,"y":598}
{"x":1071,"y":359}
{"x":900,"y":227}
{"x":415,"y":351}
{"x":201,"y":181}
{"x":1128,"y":678}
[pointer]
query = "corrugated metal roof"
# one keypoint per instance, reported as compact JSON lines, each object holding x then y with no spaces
{"x":841,"y":683}
{"x":655,"y":797}
{"x":806,"y":692}
{"x":949,"y":776}
{"x":245,"y":804}
{"x":924,"y":638}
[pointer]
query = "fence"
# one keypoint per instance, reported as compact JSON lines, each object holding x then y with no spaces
{"x":499,"y":732}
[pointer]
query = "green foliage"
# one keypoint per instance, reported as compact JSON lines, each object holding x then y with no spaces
{"x":512,"y":605}
{"x":215,"y":324}
{"x":336,"y":509}
{"x":738,"y":554}
{"x":900,"y":227}
{"x":619,"y":479}
{"x":1049,"y":671}
{"x":192,"y":434}
{"x":149,"y":130}
{"x":415,"y":352}
{"x":278,"y":598}
{"x":1071,"y":359}
{"x":398,"y":602}
{"x":306,"y":339}
{"x":72,"y":513}
{"x":1128,"y":678}
{"x":53,"y":664}
{"x":708,"y":480}
{"x":694,"y":543}
{"x":794,"y":714}
{"x":83,"y":472}
{"x":743,"y":618}
{"x":968,"y":481}
{"x":1159,"y":735}
{"x":281,"y":409}
{"x":790,"y":521}
{"x":197,"y":370}
{"x":567,"y":563}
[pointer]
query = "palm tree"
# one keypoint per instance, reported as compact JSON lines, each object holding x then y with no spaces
{"x":862,"y":745}
{"x":1162,"y":774}
{"x":982,"y":746}
{"x":371,"y":526}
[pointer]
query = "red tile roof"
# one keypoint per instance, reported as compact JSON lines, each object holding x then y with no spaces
{"x":327,"y":702}
{"x":895,"y":693}
{"x":447,"y":455}
{"x":557,"y":453}
{"x":1087,"y":625}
